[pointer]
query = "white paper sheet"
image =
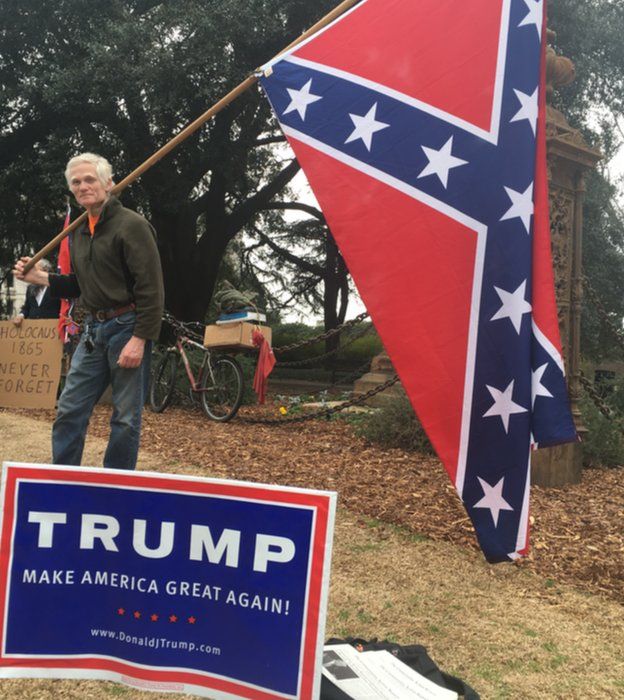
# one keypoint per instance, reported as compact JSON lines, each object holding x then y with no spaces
{"x":377,"y":675}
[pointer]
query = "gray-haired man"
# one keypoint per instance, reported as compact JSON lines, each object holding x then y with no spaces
{"x":117,"y":274}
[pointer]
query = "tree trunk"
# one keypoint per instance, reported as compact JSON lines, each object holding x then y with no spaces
{"x":190,"y":266}
{"x":334,"y":287}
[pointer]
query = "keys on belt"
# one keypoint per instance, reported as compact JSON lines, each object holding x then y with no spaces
{"x":101,"y":316}
{"x":89,"y":343}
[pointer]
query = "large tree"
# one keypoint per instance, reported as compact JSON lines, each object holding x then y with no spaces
{"x":590,"y":33}
{"x":121,"y":78}
{"x":300,"y":260}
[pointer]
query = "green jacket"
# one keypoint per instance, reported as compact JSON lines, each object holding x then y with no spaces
{"x":118,"y":265}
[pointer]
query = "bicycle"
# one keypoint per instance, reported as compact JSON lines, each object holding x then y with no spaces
{"x":219,"y":381}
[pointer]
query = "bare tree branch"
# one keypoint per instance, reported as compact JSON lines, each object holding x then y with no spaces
{"x":299,"y":206}
{"x":291,"y":257}
{"x":245,"y":211}
{"x":269,"y":139}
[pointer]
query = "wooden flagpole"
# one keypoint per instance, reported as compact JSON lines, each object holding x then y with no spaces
{"x":189,"y":130}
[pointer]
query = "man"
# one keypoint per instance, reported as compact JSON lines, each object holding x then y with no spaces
{"x":118,"y":276}
{"x":39,"y":302}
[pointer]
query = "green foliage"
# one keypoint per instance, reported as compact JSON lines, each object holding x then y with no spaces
{"x":603,"y":445}
{"x":603,"y":261}
{"x":359,"y":351}
{"x":581,"y":26}
{"x":353,"y":353}
{"x":594,"y":102}
{"x":394,"y":425}
{"x":248,"y":365}
{"x":289,"y":333}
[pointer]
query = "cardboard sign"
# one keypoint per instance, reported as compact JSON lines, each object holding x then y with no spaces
{"x":164,"y":582}
{"x":30,"y":363}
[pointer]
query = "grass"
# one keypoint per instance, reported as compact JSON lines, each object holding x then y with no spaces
{"x":507,"y":632}
{"x":398,"y":530}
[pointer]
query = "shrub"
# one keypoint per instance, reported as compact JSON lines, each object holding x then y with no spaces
{"x":351,"y":355}
{"x":603,"y":445}
{"x":248,"y":365}
{"x":360,"y":350}
{"x":288,"y":333}
{"x":394,"y":425}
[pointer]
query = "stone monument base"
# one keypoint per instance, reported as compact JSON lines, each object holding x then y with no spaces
{"x":557,"y":466}
{"x":381,"y":370}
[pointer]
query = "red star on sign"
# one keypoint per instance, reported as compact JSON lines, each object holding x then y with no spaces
{"x":137,"y":614}
{"x":173,"y":618}
{"x":154,"y":617}
{"x":192,"y":620}
{"x":121,"y":611}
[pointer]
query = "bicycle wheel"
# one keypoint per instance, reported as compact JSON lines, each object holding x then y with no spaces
{"x":222,"y":388}
{"x":163,"y":382}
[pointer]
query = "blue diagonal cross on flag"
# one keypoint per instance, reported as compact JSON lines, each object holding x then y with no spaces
{"x":418,"y":125}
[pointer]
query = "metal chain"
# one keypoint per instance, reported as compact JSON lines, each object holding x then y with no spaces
{"x":186,"y":328}
{"x":322,"y":336}
{"x":328,"y":411}
{"x":599,"y":402}
{"x":618,"y":336}
{"x":324,"y":356}
{"x":348,"y":379}
{"x":356,"y":374}
{"x":603,"y":313}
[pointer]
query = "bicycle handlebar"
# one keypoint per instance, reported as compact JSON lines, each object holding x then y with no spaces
{"x":179,"y":327}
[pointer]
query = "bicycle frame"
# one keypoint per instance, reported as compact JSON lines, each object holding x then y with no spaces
{"x":195,"y":383}
{"x":218,"y":382}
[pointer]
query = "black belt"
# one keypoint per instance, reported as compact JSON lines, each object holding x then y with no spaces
{"x":107,"y":314}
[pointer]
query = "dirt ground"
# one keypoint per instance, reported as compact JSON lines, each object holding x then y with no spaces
{"x":405,"y":566}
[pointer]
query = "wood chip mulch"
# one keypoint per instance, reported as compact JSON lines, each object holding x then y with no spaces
{"x":577,"y":531}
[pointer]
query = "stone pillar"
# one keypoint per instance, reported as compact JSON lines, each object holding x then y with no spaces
{"x":569,"y":159}
{"x":380,"y":371}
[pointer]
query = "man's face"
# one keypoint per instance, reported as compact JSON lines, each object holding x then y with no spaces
{"x":86,"y":186}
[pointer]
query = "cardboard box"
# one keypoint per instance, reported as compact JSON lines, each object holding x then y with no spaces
{"x":236,"y":336}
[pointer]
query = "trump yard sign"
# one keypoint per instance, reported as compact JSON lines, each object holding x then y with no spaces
{"x":163,"y":582}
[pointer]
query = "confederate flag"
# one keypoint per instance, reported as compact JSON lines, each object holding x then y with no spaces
{"x":418,"y":125}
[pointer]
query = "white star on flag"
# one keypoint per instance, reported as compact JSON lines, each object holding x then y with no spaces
{"x":537,"y":388}
{"x":514,"y":306}
{"x":528,"y":110}
{"x":440,"y":162}
{"x":503,"y":406}
{"x":365,"y":127}
{"x":493,"y":499}
{"x":521,"y":206}
{"x":300,"y":99}
{"x":535,"y":15}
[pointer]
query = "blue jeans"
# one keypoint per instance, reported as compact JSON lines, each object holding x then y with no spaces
{"x":89,"y":375}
